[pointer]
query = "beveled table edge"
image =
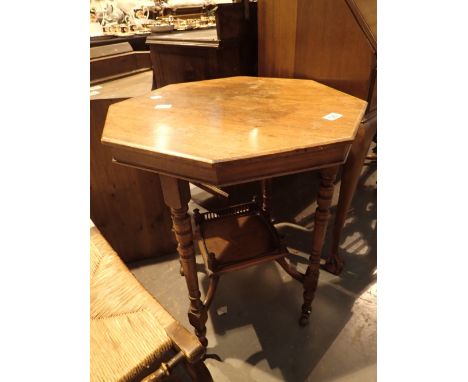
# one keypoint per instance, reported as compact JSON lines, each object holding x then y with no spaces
{"x":235,"y":172}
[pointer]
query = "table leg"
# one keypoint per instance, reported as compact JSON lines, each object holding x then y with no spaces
{"x":349,"y":180}
{"x":177,"y":195}
{"x":322,"y":215}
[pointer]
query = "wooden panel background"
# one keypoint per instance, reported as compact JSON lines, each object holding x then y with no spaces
{"x":321,"y":40}
{"x":126,"y":204}
{"x":276,"y":37}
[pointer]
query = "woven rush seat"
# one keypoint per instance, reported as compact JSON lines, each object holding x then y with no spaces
{"x":130,"y":331}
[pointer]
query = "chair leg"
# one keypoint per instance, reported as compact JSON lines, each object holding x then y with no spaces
{"x":349,"y":180}
{"x":165,"y":369}
{"x":198,"y":371}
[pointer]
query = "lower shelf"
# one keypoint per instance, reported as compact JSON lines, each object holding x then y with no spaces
{"x":237,"y":237}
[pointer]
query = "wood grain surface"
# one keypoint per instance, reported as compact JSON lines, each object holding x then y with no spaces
{"x":224,"y":121}
{"x":123,"y":88}
{"x":330,"y":41}
{"x":333,"y":42}
{"x":228,"y":50}
{"x":365,"y":12}
{"x":126,"y":204}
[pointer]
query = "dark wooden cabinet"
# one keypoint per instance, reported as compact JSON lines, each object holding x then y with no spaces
{"x":113,"y":61}
{"x":137,"y":42}
{"x":126,"y":203}
{"x":230,"y":49}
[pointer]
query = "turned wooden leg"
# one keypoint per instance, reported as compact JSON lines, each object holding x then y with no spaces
{"x":176,"y":196}
{"x":214,"y":279}
{"x":349,"y":180}
{"x":322,"y":215}
{"x":266,"y":196}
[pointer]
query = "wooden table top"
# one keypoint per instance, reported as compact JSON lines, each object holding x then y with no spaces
{"x":234,"y":129}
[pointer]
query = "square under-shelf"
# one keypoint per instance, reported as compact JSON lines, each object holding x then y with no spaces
{"x":237,"y":237}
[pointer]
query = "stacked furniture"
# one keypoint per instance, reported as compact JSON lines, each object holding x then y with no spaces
{"x":230,"y":49}
{"x":117,"y":60}
{"x":126,"y":203}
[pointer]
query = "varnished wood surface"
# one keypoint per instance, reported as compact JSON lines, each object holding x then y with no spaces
{"x":228,"y":50}
{"x":325,"y":40}
{"x":322,"y":215}
{"x":240,"y":171}
{"x":339,"y":57}
{"x":204,"y":37}
{"x":276,"y":38}
{"x":177,"y":195}
{"x":224,"y":122}
{"x":333,"y":42}
{"x":126,"y":204}
{"x":373,"y":97}
{"x":109,"y":50}
{"x":127,"y":87}
{"x":365,"y":12}
{"x":138,"y":42}
{"x":174,"y":63}
{"x":236,"y":240}
{"x":123,"y":64}
{"x":349,"y":179}
{"x":231,"y":130}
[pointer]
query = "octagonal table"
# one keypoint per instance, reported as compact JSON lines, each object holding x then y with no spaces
{"x":229,"y":131}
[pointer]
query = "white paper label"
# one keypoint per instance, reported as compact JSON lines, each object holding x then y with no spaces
{"x":332,"y":116}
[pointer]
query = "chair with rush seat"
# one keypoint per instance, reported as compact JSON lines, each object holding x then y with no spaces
{"x":133,"y":338}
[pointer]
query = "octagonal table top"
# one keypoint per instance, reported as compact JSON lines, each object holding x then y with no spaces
{"x":234,"y":129}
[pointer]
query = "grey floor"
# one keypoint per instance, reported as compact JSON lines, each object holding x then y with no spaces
{"x":252,"y":325}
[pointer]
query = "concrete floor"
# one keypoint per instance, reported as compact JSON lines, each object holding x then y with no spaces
{"x":258,"y":338}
